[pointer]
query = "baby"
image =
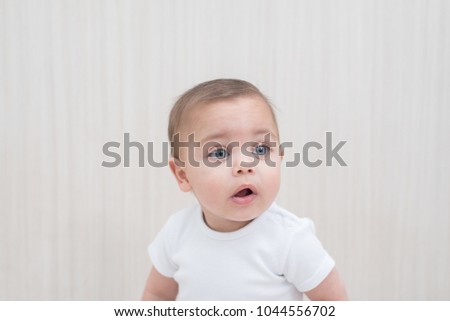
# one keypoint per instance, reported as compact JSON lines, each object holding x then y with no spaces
{"x":236,"y":244}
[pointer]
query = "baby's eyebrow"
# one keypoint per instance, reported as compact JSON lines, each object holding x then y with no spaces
{"x":227,"y":136}
{"x":215,"y":136}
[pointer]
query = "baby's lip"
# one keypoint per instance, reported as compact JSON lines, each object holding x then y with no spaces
{"x":251,"y":189}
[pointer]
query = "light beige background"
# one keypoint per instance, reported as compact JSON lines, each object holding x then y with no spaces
{"x":77,"y":74}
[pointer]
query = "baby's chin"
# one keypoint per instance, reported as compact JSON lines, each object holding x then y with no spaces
{"x":228,"y":223}
{"x":232,"y":214}
{"x":247,"y":215}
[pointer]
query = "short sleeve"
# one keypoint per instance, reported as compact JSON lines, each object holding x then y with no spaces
{"x":307,"y":263}
{"x":160,"y":251}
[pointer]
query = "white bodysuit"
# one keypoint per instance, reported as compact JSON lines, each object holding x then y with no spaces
{"x":275,"y":257}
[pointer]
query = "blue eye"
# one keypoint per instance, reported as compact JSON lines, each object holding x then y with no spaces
{"x":219,"y":153}
{"x":261,"y":150}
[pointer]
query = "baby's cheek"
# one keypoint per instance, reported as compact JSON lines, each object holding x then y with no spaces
{"x":191,"y":156}
{"x":273,"y":175}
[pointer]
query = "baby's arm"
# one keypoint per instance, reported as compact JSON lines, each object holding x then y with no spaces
{"x":330,"y":289}
{"x":159,"y":287}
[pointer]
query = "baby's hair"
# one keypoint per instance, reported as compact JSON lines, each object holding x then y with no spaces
{"x":208,"y":92}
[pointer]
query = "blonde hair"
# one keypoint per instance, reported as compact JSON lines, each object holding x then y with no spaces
{"x":207,"y":92}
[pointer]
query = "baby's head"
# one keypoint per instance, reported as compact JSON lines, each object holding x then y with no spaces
{"x":225,"y":148}
{"x":208,"y":92}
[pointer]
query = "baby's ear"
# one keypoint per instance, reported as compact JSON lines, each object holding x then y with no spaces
{"x":281,"y":151}
{"x":180,"y":174}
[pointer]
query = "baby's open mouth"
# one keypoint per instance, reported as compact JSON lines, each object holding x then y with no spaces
{"x":245,"y":195}
{"x":244,"y":192}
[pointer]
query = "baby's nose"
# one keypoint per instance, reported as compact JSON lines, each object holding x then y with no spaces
{"x":243,"y":164}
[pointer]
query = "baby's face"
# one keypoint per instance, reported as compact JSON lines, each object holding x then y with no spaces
{"x":238,"y":172}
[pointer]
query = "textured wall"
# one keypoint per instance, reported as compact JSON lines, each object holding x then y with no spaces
{"x":77,"y":74}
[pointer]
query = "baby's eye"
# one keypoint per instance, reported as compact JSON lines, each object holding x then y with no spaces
{"x":219,"y":153}
{"x":261,"y":150}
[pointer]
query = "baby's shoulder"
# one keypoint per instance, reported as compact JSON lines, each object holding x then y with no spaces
{"x":181,"y":222}
{"x":285,"y":221}
{"x":183,"y":217}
